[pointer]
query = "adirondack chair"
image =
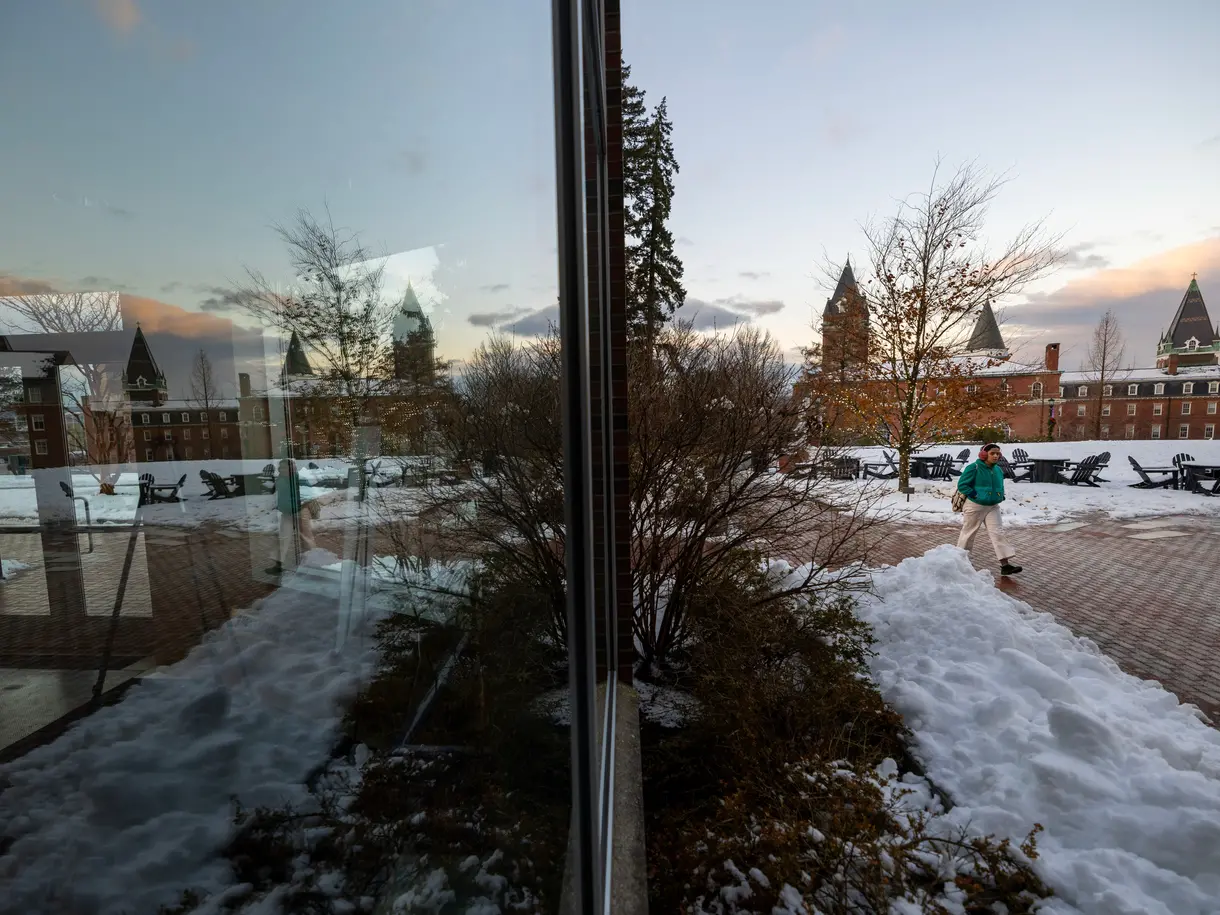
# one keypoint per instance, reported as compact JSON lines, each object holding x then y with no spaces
{"x":942,"y":468}
{"x":885,"y":470}
{"x":843,"y":468}
{"x":220,"y":489}
{"x":1010,"y":472}
{"x":1183,"y":457}
{"x":1146,"y":482}
{"x":173,"y":493}
{"x":206,"y":476}
{"x":1084,"y":473}
{"x":1020,"y":456}
{"x":146,"y":489}
{"x":1103,"y":461}
{"x":963,"y":456}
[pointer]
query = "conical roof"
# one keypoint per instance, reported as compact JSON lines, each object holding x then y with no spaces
{"x":410,"y":318}
{"x":1192,"y":320}
{"x":142,"y":365}
{"x":295,"y":361}
{"x":986,"y":336}
{"x":846,"y":288}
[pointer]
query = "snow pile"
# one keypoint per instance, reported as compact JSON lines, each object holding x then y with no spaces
{"x":11,"y":567}
{"x":131,"y":806}
{"x":1022,"y":722}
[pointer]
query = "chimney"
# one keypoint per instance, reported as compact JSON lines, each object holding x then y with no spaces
{"x":1052,"y":357}
{"x":1172,"y":368}
{"x":243,"y":383}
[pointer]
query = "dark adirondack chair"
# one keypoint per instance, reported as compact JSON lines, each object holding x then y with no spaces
{"x":1010,"y":472}
{"x":146,"y":489}
{"x":1020,"y":456}
{"x":963,"y":456}
{"x":220,"y":488}
{"x":1084,"y":474}
{"x":1146,"y":482}
{"x":1183,"y":457}
{"x":885,"y":470}
{"x":1103,"y":461}
{"x":172,"y":495}
{"x":942,"y":468}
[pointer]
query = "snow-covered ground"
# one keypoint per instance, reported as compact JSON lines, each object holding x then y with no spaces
{"x":1022,"y":722}
{"x":11,"y":567}
{"x":19,"y":502}
{"x":1049,"y":503}
{"x":132,"y":805}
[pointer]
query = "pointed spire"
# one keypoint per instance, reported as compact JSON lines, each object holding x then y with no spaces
{"x":1192,"y":319}
{"x":295,"y":361}
{"x":846,"y":290}
{"x":141,"y":364}
{"x":986,"y":336}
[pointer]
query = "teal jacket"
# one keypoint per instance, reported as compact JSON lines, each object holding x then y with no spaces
{"x":982,"y":484}
{"x":288,"y":493}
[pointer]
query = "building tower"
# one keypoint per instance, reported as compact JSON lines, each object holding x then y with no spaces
{"x":845,"y":327}
{"x":986,"y":340}
{"x":414,"y":342}
{"x":143,"y":380}
{"x":1192,"y":337}
{"x":296,"y":363}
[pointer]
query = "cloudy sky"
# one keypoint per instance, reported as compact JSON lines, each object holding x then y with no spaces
{"x":150,"y":148}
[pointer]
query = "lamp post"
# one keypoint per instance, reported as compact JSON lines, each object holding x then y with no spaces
{"x":1050,"y":422}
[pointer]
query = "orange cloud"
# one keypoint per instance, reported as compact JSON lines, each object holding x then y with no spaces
{"x":160,"y":317}
{"x":121,"y":15}
{"x":1167,"y":270}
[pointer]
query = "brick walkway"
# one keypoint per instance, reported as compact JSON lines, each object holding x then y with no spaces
{"x":1148,"y":593}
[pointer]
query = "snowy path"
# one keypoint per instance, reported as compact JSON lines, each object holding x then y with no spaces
{"x":130,"y":807}
{"x":1022,"y":722}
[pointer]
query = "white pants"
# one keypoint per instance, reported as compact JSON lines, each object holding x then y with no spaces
{"x":975,"y":516}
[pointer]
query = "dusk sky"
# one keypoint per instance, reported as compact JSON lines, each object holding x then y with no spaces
{"x":149,"y":147}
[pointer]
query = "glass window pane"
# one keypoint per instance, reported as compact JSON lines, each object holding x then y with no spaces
{"x":314,"y":252}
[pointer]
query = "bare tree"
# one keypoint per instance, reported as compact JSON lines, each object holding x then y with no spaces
{"x":1104,"y":364}
{"x":929,"y":277}
{"x":95,"y":397}
{"x":205,"y":391}
{"x":338,"y":311}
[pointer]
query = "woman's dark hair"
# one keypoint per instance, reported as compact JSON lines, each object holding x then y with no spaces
{"x":990,"y":447}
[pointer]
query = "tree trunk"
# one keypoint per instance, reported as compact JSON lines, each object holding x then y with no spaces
{"x":904,"y":465}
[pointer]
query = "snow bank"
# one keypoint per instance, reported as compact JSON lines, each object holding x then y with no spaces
{"x":131,"y":806}
{"x":11,"y":567}
{"x":1022,"y":722}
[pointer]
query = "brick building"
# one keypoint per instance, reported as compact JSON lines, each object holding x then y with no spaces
{"x":1178,"y":397}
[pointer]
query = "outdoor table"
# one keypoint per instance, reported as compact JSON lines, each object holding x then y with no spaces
{"x":1174,"y":473}
{"x":1194,"y":472}
{"x":921,"y":465}
{"x":1047,"y":470}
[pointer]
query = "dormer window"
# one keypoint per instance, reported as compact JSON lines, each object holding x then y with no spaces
{"x":165,"y":418}
{"x":186,"y":417}
{"x":1192,"y":343}
{"x":141,"y":383}
{"x":1082,"y":391}
{"x":1108,"y":391}
{"x":1160,"y":388}
{"x":1133,"y":389}
{"x":1188,"y":387}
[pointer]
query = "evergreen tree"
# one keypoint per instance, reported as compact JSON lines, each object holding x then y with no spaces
{"x":654,"y":271}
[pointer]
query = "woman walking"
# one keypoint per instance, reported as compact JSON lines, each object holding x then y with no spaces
{"x":296,"y":518}
{"x":982,"y":483}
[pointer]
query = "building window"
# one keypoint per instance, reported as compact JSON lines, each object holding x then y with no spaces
{"x":148,"y":454}
{"x":186,"y":417}
{"x":1209,"y":431}
{"x":1186,"y":409}
{"x":223,"y":416}
{"x":169,"y":436}
{"x":144,"y":418}
{"x":1157,"y":408}
{"x":187,"y":453}
{"x":38,"y":423}
{"x":1003,"y":386}
{"x":147,"y":436}
{"x":258,"y":412}
{"x":40,"y":446}
{"x":1060,"y":390}
{"x":206,"y":435}
{"x":203,"y":417}
{"x":1184,"y":431}
{"x":1107,"y":391}
{"x":186,"y":435}
{"x":1105,"y":410}
{"x":224,"y":433}
{"x":1082,"y":391}
{"x":1156,"y":431}
{"x":34,"y":395}
{"x":972,"y":389}
{"x":1080,"y":410}
{"x":1211,"y":407}
{"x":1130,"y":430}
{"x":1130,"y":409}
{"x":1159,"y":388}
{"x":1213,"y":387}
{"x":1188,"y":387}
{"x":1035,"y":389}
{"x":165,"y":418}
{"x":1105,"y":431}
{"x":1133,"y":390}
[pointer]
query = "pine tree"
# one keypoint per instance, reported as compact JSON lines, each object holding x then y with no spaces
{"x":654,"y":270}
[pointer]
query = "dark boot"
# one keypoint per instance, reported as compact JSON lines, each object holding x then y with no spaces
{"x":1008,"y":568}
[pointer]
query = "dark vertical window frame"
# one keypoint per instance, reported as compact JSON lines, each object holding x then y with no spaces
{"x":577,"y":458}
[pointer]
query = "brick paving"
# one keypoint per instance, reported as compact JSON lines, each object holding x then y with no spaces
{"x":1147,"y":592}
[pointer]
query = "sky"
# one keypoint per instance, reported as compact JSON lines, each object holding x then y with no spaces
{"x":151,"y":149}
